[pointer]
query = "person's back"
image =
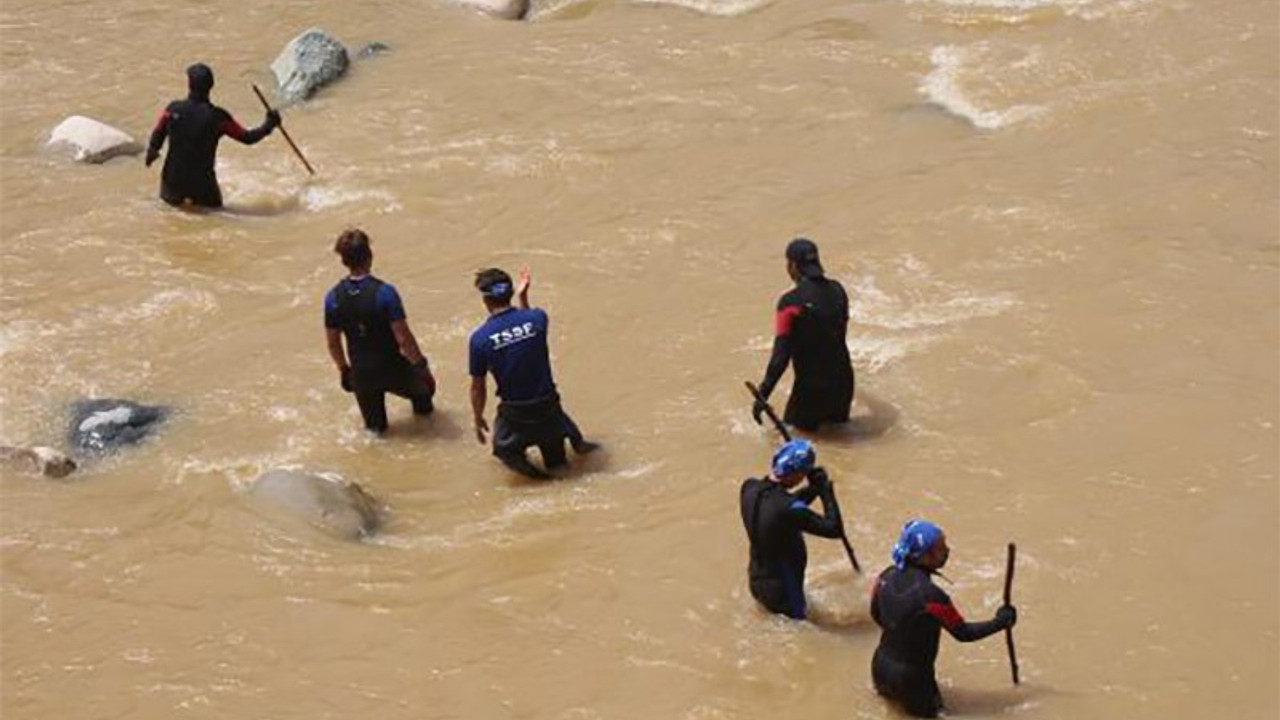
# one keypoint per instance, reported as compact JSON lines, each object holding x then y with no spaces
{"x":512,"y":344}
{"x":778,"y":555}
{"x":820,"y":355}
{"x":193,"y":128}
{"x":361,"y":308}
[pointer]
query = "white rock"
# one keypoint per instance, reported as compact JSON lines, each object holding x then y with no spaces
{"x":92,"y":141}
{"x":310,"y":61}
{"x":505,"y":9}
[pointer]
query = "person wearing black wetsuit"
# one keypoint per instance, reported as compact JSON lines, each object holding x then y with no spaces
{"x":384,"y":356}
{"x":776,"y":520}
{"x":809,"y":334}
{"x":912,"y":612}
{"x":193,"y":128}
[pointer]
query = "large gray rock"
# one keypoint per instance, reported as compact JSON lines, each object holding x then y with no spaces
{"x":92,"y":141}
{"x":99,"y":427}
{"x":308,"y":62}
{"x":337,"y":506}
{"x":505,"y":9}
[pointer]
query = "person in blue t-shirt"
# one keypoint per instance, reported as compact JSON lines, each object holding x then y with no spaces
{"x":383,"y":353}
{"x":512,"y":345}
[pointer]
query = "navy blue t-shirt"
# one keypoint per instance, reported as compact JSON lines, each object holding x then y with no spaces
{"x":388,"y":301}
{"x":513,"y":346}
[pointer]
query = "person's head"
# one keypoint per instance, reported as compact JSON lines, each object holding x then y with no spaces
{"x":802,"y":259}
{"x":200,"y":80}
{"x":922,"y":544}
{"x":495,"y":287}
{"x":793,"y":461}
{"x":353,"y":247}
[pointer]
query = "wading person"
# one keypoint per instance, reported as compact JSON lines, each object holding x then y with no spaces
{"x":911,"y":612}
{"x":809,"y":335}
{"x":512,"y":345}
{"x":776,"y":521}
{"x":382,"y":356}
{"x":193,"y":128}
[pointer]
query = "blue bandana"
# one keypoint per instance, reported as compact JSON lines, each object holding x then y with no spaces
{"x":797,"y":456}
{"x":917,"y":538}
{"x":498,"y":291}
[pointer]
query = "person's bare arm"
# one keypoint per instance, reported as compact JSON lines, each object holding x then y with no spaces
{"x":407,"y":342}
{"x":523,"y":282}
{"x":479,"y":394}
{"x":334,"y":339}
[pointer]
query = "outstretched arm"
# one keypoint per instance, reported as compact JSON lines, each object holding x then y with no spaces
{"x":950,"y":617}
{"x":234,"y":130}
{"x":158,"y":135}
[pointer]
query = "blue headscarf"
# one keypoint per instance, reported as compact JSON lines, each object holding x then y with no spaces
{"x":797,"y":456}
{"x":498,"y":290}
{"x":918,"y":537}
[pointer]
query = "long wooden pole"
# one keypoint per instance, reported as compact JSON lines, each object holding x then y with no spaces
{"x":782,"y":430}
{"x":1008,"y":591}
{"x":284,"y":132}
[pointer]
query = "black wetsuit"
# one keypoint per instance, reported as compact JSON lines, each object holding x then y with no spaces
{"x":911,"y":612}
{"x":363,"y":309}
{"x":809,"y":334}
{"x":193,"y":128}
{"x":775,"y":521}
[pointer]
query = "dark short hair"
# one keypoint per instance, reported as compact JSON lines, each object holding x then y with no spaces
{"x":353,"y":246}
{"x":489,"y":276}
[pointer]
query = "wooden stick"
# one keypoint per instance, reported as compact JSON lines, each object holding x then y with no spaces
{"x":284,"y":132}
{"x":1008,"y":590}
{"x":782,"y":430}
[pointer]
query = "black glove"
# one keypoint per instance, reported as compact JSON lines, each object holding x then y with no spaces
{"x":758,"y":409}
{"x":345,"y":380}
{"x":1007,"y":616}
{"x":819,"y":479}
{"x":152,"y":154}
{"x":273,"y":119}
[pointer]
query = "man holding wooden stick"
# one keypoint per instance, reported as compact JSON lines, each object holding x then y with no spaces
{"x":193,"y":128}
{"x":911,"y":612}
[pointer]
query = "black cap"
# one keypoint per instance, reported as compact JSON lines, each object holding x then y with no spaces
{"x":804,"y":253}
{"x":200,"y":79}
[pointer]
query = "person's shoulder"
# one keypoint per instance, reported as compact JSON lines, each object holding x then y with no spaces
{"x":788,"y":298}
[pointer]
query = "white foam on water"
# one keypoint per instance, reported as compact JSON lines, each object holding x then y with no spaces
{"x":321,"y":198}
{"x":944,"y":86}
{"x":722,"y":8}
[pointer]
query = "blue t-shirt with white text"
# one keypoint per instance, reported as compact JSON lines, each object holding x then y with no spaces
{"x":513,"y":346}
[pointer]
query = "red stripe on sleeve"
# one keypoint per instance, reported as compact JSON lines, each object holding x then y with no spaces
{"x":163,"y":119}
{"x":784,"y":319}
{"x":232,"y":128}
{"x":946,"y":613}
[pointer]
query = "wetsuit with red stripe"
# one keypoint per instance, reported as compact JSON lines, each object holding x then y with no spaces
{"x":912,"y":612}
{"x":193,"y":128}
{"x":809,"y":334}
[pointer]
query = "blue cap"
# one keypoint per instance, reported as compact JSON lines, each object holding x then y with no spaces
{"x":797,"y":456}
{"x":918,"y":537}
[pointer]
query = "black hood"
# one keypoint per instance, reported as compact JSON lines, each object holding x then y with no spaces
{"x":200,"y":80}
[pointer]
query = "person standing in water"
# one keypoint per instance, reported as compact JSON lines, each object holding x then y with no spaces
{"x":193,"y":128}
{"x":512,"y":345}
{"x":382,"y":355}
{"x":911,"y":612}
{"x":809,"y":335}
{"x":776,"y":521}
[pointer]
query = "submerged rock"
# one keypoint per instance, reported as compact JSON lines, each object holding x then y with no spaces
{"x":339,"y":507}
{"x":372,"y":49}
{"x":310,"y":61}
{"x":37,"y":458}
{"x":99,"y":427}
{"x":505,"y":9}
{"x":92,"y":141}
